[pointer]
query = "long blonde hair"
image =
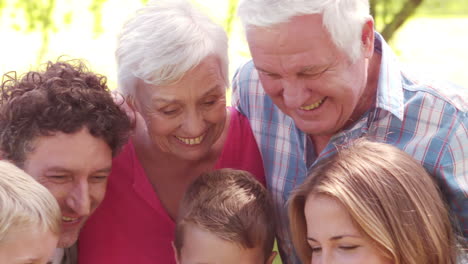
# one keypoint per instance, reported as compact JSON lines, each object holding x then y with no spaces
{"x":389,"y":196}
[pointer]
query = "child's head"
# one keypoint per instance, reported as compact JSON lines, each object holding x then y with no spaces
{"x":226,"y":216}
{"x":29,"y":218}
{"x":371,"y":200}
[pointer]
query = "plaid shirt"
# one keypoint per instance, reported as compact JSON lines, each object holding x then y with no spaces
{"x":427,"y":121}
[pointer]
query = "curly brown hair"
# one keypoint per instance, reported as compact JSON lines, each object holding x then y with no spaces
{"x":65,"y":97}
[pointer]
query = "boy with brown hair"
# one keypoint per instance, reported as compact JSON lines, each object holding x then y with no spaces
{"x":226,"y":216}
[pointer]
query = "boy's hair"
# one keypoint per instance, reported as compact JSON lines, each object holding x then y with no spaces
{"x":390,"y":198}
{"x":64,"y":97}
{"x":232,"y":205}
{"x":25,"y":203}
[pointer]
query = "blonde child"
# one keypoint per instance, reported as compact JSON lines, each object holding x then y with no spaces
{"x":29,"y":218}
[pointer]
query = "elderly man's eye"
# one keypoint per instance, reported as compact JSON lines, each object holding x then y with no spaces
{"x":272,"y":75}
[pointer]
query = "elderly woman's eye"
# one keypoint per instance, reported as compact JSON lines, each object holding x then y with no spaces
{"x":169,"y":111}
{"x":210,"y":102}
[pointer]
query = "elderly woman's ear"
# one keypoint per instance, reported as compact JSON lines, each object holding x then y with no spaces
{"x":127,"y":105}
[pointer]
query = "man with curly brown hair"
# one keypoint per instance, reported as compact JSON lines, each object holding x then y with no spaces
{"x":62,"y":127}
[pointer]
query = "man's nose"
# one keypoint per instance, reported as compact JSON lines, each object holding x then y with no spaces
{"x":79,"y":200}
{"x":295,"y":93}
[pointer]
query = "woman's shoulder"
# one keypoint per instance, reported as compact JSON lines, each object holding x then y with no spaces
{"x":240,"y":149}
{"x":239,"y":123}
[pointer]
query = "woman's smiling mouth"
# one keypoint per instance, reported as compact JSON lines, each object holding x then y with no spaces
{"x":191,"y":141}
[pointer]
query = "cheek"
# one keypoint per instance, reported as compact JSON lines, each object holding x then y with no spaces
{"x":161,"y":127}
{"x":216,"y":115}
{"x":97,"y":192}
{"x":271,"y":87}
{"x":59,"y":191}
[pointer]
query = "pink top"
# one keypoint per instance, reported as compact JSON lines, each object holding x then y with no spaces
{"x":131,"y":225}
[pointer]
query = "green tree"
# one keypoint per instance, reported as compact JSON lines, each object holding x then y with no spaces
{"x":389,"y":15}
{"x":39,"y":15}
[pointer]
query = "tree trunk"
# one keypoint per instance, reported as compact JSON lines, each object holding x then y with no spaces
{"x":406,"y":11}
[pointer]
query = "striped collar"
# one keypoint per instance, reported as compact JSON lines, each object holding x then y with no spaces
{"x":390,"y":88}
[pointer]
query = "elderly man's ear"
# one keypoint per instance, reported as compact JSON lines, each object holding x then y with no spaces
{"x":367,"y":38}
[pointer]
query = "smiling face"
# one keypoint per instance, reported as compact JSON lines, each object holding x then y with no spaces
{"x":334,"y":238}
{"x":199,"y":244}
{"x":186,"y":118}
{"x":74,"y":168}
{"x":308,"y":77}
{"x":28,"y":245}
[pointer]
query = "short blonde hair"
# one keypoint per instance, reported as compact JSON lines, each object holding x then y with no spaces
{"x":390,"y":198}
{"x":232,"y":205}
{"x":25,"y":203}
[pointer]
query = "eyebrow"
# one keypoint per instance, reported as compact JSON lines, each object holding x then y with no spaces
{"x":263,"y":70}
{"x":333,"y":238}
{"x":62,"y":169}
{"x":104,"y":170}
{"x":28,"y":259}
{"x":313,"y":68}
{"x":213,"y":89}
{"x":303,"y":69}
{"x":165,"y":100}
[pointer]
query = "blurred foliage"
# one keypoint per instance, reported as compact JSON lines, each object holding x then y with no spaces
{"x":389,"y":15}
{"x":443,"y":8}
{"x":38,"y":14}
{"x":231,"y":14}
{"x":96,"y":8}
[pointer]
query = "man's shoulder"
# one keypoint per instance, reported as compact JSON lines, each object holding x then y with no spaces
{"x":246,"y":69}
{"x":246,"y":78}
{"x":435,"y":94}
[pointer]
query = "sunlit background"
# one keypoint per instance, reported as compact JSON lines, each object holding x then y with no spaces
{"x":436,"y":45}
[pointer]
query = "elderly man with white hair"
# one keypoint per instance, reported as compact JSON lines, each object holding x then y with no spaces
{"x":321,"y":77}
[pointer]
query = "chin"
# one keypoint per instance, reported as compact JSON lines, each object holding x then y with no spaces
{"x":67,"y":240}
{"x":193,"y":157}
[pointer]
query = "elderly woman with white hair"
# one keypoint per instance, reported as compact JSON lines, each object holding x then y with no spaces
{"x":172,"y":70}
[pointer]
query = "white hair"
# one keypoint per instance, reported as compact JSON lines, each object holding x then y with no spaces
{"x":342,"y":18}
{"x":164,"y":40}
{"x":25,"y":203}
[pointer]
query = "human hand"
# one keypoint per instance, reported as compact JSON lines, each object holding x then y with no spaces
{"x":119,"y":99}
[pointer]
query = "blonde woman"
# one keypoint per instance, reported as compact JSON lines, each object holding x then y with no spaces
{"x":371,"y":203}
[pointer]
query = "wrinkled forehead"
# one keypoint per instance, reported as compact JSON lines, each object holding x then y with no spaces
{"x":201,"y":79}
{"x":297,"y":29}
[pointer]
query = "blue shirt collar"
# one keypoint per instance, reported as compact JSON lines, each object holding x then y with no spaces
{"x":390,"y":88}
